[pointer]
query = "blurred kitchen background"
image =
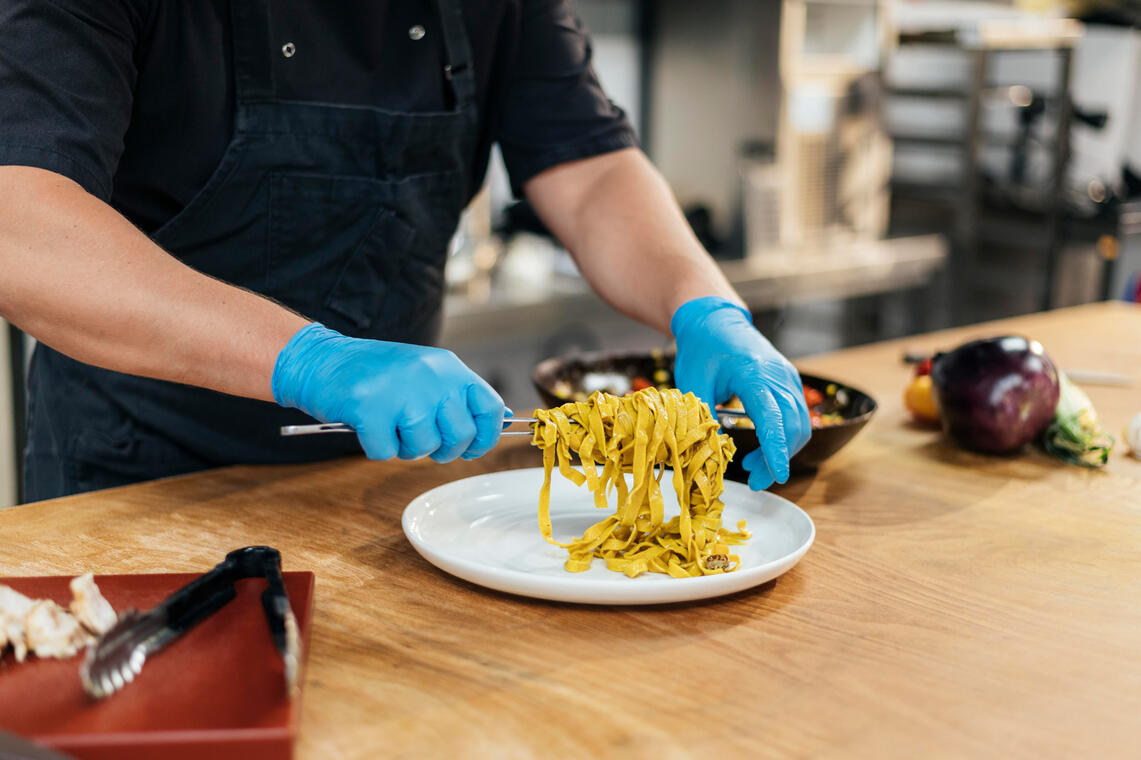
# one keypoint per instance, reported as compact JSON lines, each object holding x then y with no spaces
{"x":863,"y":169}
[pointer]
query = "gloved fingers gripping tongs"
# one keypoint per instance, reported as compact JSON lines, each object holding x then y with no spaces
{"x":118,"y":655}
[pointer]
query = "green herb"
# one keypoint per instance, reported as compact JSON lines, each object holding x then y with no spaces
{"x":1074,"y":436}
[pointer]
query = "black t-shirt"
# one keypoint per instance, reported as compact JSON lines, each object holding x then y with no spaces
{"x":134,"y":99}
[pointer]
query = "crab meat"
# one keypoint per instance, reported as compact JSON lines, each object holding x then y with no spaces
{"x":14,"y":607}
{"x":52,"y":631}
{"x":89,"y":607}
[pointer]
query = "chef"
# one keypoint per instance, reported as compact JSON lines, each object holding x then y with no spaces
{"x":223,"y":216}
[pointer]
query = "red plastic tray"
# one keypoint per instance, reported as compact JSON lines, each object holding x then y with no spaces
{"x":217,"y":692}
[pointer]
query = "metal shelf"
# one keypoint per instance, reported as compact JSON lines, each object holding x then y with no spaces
{"x":767,"y":280}
{"x":925,"y":92}
{"x":959,"y":141}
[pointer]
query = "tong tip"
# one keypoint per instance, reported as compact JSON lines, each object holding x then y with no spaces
{"x":291,"y":657}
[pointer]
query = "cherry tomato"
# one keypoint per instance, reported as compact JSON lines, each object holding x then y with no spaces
{"x":638,"y":383}
{"x":919,"y":399}
{"x":812,"y":396}
{"x":923,"y":367}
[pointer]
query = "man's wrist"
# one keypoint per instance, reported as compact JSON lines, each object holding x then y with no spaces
{"x":287,"y":382}
{"x":697,"y":309}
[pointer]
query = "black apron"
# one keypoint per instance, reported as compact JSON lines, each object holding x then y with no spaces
{"x":343,"y":213}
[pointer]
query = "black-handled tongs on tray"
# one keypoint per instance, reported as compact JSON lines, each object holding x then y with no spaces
{"x":118,"y":655}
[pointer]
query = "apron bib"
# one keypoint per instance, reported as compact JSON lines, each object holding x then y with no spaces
{"x":342,"y":213}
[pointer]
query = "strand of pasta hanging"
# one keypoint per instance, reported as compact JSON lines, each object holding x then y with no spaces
{"x":641,"y":434}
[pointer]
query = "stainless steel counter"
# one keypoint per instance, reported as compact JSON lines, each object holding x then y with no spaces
{"x":766,"y":281}
{"x":505,"y":334}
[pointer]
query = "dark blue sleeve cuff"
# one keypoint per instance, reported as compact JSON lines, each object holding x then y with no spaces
{"x":18,"y":154}
{"x":522,"y":167}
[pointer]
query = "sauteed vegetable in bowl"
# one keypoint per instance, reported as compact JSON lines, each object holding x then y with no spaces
{"x":838,"y":411}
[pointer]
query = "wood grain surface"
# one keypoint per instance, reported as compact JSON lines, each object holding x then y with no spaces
{"x":954,"y":605}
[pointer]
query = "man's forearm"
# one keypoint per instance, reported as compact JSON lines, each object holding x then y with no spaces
{"x":620,"y":222}
{"x":79,"y":277}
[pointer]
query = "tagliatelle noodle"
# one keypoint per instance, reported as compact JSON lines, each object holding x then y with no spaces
{"x":641,"y":434}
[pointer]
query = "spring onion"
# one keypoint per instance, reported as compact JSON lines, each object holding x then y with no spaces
{"x":1073,"y":435}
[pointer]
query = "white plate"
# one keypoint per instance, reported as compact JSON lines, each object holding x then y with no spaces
{"x":485,"y":529}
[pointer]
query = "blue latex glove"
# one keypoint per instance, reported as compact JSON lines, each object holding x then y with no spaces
{"x":401,"y":399}
{"x":719,"y":355}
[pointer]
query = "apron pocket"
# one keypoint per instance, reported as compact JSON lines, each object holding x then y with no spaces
{"x":121,"y":456}
{"x":361,"y":289}
{"x":338,"y":250}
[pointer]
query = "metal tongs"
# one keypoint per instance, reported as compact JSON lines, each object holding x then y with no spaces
{"x":340,"y":427}
{"x":118,"y":655}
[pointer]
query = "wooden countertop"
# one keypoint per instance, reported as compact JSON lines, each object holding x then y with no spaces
{"x":954,"y":605}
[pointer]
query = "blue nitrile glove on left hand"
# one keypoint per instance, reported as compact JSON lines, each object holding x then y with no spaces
{"x":719,"y":355}
{"x":401,"y":399}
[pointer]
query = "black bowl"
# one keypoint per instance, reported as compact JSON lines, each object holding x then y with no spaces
{"x":561,"y":379}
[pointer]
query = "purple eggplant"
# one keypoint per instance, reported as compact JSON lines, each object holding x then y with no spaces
{"x":995,"y":395}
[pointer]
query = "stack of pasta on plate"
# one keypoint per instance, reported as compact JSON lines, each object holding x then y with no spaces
{"x":643,"y":434}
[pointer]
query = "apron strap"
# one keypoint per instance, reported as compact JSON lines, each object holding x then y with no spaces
{"x":253,"y":69}
{"x":458,"y":69}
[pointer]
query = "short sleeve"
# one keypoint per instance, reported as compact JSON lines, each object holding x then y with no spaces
{"x":67,"y":73}
{"x":555,"y":109}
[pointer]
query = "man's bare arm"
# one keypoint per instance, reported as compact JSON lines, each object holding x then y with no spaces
{"x":620,"y":222}
{"x":79,"y":277}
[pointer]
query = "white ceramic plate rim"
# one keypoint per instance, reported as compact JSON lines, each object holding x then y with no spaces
{"x":580,"y":588}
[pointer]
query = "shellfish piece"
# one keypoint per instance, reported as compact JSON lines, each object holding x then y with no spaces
{"x":89,"y":607}
{"x":52,"y":631}
{"x":14,"y":607}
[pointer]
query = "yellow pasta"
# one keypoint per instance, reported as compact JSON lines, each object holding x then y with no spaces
{"x":642,"y":434}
